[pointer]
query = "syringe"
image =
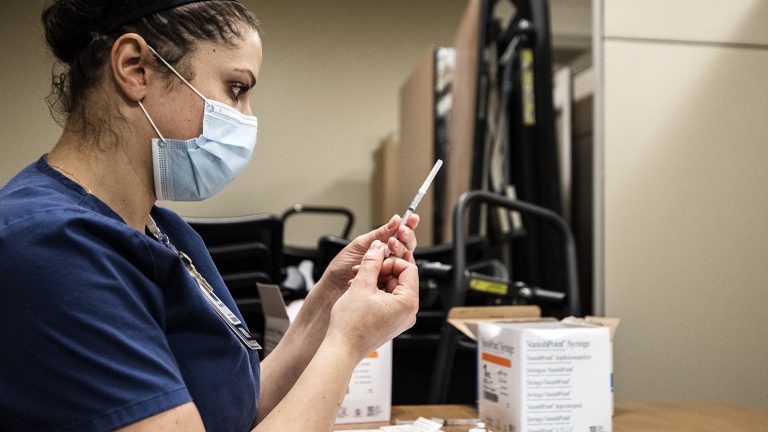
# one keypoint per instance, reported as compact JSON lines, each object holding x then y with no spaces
{"x":419,"y":195}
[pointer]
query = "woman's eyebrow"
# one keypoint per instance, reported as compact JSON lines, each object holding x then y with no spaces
{"x":250,"y":74}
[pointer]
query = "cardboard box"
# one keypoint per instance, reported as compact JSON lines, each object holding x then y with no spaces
{"x":541,"y":375}
{"x":369,"y":394}
{"x":384,"y":184}
{"x":276,"y":320}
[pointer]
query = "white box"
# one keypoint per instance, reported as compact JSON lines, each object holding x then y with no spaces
{"x":369,"y":394}
{"x":544,"y":377}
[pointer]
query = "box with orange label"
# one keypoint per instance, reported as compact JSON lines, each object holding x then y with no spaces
{"x":544,"y":376}
{"x":369,"y":395}
{"x":538,"y":374}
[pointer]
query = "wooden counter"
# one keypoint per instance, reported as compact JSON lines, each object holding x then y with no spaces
{"x":634,"y":417}
{"x":638,"y":417}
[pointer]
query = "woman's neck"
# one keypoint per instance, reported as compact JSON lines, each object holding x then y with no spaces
{"x":116,"y":173}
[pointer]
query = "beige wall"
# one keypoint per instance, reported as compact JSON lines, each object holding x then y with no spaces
{"x":328,"y":93}
{"x":685,"y":195}
{"x":25,"y":74}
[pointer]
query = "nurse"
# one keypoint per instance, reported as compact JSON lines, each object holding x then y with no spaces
{"x":113,"y":315}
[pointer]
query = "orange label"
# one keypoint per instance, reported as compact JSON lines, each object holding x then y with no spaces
{"x":501,"y":361}
{"x":374,"y":354}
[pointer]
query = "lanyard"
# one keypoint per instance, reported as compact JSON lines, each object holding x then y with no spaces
{"x":234,"y":324}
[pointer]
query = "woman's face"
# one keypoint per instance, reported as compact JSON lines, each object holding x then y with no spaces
{"x":222,"y":73}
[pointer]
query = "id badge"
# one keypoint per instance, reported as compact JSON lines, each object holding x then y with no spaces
{"x":221,"y":309}
{"x":231,"y":319}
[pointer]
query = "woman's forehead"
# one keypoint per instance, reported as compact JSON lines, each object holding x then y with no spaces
{"x":244,"y":52}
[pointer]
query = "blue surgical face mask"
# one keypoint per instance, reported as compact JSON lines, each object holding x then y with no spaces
{"x":195,"y":169}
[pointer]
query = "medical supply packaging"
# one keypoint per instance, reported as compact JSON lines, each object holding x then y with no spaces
{"x":540,"y":375}
{"x":369,"y":395}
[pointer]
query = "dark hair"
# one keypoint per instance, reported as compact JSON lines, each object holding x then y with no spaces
{"x":75,"y":32}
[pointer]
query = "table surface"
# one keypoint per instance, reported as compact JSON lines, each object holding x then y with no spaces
{"x":633,"y":417}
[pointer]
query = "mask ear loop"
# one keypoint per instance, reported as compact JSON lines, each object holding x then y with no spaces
{"x":175,"y":72}
{"x":168,"y":65}
{"x":141,"y":105}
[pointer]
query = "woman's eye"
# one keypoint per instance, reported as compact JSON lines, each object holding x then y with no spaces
{"x":237,"y":89}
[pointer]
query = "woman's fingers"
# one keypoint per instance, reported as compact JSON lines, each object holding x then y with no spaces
{"x":381,"y":302}
{"x":404,"y":238}
{"x":381,"y":233}
{"x":370,"y":267}
{"x":391,"y":230}
{"x":413,"y":221}
{"x":407,"y":236}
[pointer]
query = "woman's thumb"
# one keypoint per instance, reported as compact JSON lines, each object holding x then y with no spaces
{"x":368,"y":275}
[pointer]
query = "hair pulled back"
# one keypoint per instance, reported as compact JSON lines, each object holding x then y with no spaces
{"x":78,"y":35}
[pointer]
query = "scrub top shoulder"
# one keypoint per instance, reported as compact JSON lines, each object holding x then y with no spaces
{"x":101,"y":326}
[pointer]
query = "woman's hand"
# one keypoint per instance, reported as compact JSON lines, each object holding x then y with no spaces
{"x":381,"y":302}
{"x":399,"y":240}
{"x":282,"y":368}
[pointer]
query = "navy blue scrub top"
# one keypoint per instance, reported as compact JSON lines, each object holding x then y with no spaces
{"x":100,"y":325}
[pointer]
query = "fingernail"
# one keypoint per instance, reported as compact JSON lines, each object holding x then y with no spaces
{"x":375,"y":246}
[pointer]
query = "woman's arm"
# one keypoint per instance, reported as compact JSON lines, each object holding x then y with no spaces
{"x":282,"y":368}
{"x":313,"y":402}
{"x":381,"y":302}
{"x":312,"y":406}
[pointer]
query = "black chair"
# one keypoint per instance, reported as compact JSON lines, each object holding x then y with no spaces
{"x":293,"y":255}
{"x":328,"y":246}
{"x":245,"y":250}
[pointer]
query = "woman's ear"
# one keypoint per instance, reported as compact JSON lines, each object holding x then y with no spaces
{"x":128,"y":61}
